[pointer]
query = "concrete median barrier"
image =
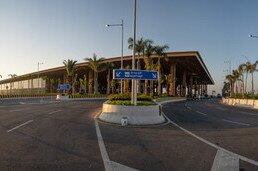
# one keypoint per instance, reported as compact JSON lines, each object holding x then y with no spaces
{"x":136,"y":115}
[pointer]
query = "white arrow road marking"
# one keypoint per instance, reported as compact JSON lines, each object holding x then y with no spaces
{"x":20,"y":125}
{"x":109,"y":165}
{"x":225,"y":161}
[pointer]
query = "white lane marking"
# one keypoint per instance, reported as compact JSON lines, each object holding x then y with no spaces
{"x":220,"y":108}
{"x":225,"y":161}
{"x":214,"y":145}
{"x":239,"y":123}
{"x":108,"y":164}
{"x":201,"y":113}
{"x":50,"y":113}
{"x":25,"y":123}
{"x":189,"y":108}
{"x":248,"y":113}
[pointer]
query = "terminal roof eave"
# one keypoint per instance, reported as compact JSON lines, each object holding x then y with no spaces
{"x":170,"y":55}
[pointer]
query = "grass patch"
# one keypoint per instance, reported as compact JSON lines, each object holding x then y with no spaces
{"x":128,"y":103}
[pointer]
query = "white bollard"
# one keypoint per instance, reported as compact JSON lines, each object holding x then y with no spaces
{"x":124,"y":121}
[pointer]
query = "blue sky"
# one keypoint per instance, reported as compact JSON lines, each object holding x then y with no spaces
{"x":51,"y":31}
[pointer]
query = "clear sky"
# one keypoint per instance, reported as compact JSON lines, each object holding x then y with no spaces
{"x":51,"y":31}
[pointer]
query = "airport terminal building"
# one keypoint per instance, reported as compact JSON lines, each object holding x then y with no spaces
{"x":182,"y":74}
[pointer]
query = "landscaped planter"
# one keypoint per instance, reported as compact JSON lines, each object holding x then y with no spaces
{"x":241,"y":102}
{"x":136,"y":115}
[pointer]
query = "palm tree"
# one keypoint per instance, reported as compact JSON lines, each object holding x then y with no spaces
{"x":83,"y":84}
{"x":246,"y":68}
{"x":148,"y":66}
{"x":109,"y":67}
{"x":140,"y":46}
{"x":252,"y":69}
{"x":236,"y":76}
{"x":225,"y":89}
{"x":75,"y":82}
{"x":160,"y":51}
{"x":70,"y":67}
{"x":97,"y":66}
{"x":241,"y":78}
{"x":231,"y":80}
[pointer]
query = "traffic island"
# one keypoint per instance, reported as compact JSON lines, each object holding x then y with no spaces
{"x":132,"y":115}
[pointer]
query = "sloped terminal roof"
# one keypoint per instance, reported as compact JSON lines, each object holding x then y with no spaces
{"x":189,"y":61}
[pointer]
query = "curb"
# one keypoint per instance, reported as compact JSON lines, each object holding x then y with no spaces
{"x":131,"y":126}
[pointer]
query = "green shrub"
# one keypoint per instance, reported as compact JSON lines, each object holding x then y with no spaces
{"x":144,"y":97}
{"x":127,"y":96}
{"x":128,"y":103}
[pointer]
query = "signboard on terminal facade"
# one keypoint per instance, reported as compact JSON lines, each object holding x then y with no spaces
{"x":135,"y":74}
{"x":64,"y":87}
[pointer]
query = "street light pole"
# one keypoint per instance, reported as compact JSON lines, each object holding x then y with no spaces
{"x":134,"y":93}
{"x":122,"y":47}
{"x":38,"y":74}
{"x":229,"y":62}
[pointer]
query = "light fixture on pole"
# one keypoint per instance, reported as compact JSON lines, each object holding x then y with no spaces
{"x":253,"y":36}
{"x":39,"y":63}
{"x":122,"y":46}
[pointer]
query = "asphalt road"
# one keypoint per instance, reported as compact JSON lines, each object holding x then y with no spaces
{"x":232,"y":128}
{"x":49,"y":136}
{"x":62,"y":136}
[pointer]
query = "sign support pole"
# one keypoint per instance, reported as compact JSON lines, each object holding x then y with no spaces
{"x":134,"y":93}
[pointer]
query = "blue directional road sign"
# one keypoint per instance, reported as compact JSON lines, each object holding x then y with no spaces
{"x":135,"y":74}
{"x":64,"y":87}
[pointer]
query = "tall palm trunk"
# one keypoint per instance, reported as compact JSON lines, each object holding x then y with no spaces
{"x":159,"y":77}
{"x":146,"y":87}
{"x":236,"y":87}
{"x":138,"y":68}
{"x":252,"y":83}
{"x":90,"y":82}
{"x":151,"y":88}
{"x":126,"y":86}
{"x":246,"y":76}
{"x":70,"y":78}
{"x":96,"y":85}
{"x":232,"y":89}
{"x":108,"y":82}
